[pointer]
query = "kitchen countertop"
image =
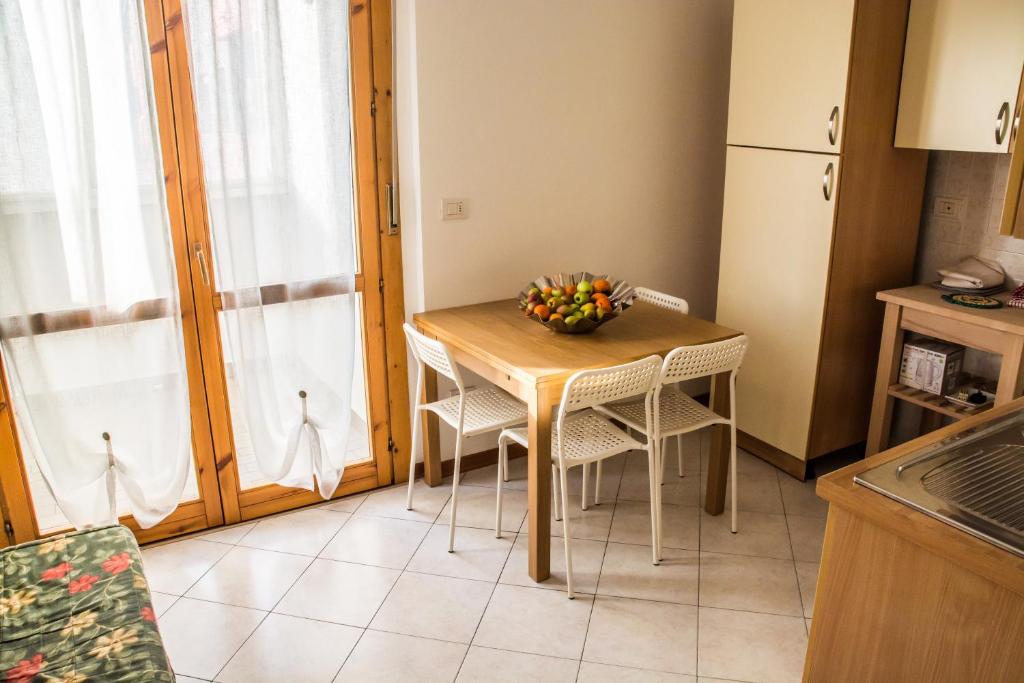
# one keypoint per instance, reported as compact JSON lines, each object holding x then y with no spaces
{"x":973,"y":554}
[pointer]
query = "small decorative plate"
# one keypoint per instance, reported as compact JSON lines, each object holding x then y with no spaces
{"x":972,"y":300}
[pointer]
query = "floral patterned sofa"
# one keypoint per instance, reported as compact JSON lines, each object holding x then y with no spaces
{"x":76,"y":608}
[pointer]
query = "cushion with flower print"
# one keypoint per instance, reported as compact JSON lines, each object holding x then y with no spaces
{"x":75,"y":608}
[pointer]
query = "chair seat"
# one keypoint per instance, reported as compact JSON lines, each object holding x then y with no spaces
{"x":588,"y":437}
{"x":677,"y":413}
{"x":486,"y":411}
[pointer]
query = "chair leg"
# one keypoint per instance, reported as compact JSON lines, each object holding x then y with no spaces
{"x":502,"y":451}
{"x":565,"y":532}
{"x":414,"y":451}
{"x":583,"y":492}
{"x":555,"y":485}
{"x":455,"y":491}
{"x":732,"y":471}
{"x":661,"y":470}
{"x":597,"y":484}
{"x":505,"y":461}
{"x":679,"y":452}
{"x":652,"y":469}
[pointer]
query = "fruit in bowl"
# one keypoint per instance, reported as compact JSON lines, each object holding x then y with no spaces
{"x":575,"y":303}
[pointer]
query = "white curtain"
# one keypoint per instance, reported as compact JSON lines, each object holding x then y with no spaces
{"x":89,"y":318}
{"x":271,"y":87}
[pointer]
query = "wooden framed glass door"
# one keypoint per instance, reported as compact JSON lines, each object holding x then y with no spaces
{"x":380,"y":408}
{"x":223,"y":486}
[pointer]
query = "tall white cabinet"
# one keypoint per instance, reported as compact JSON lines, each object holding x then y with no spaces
{"x":821,"y":211}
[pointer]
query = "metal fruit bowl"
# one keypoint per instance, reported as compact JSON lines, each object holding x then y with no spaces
{"x":620,"y":296}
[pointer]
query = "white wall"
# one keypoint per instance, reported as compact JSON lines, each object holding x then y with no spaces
{"x":584,"y":135}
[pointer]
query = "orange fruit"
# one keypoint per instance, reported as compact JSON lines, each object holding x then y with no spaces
{"x":569,"y":289}
{"x":604,"y":303}
{"x":598,"y":295}
{"x":542,"y":312}
{"x":546,"y":291}
{"x":602,"y":285}
{"x":556,"y":316}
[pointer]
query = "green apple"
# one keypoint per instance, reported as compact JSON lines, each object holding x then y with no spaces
{"x":585,"y":286}
{"x":581,"y":297}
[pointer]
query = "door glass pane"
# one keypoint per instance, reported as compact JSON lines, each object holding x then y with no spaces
{"x":271,"y":87}
{"x":308,"y":314}
{"x":90,"y":326}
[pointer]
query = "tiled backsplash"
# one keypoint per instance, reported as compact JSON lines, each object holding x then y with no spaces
{"x":978,"y":182}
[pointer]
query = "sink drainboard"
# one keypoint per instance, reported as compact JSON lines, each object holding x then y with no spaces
{"x":988,"y":483}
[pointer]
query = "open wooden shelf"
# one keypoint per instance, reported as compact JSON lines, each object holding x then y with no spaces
{"x":931,"y":402}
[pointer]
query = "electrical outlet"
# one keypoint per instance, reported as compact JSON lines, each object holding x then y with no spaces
{"x":947,"y":207}
{"x":453,"y":209}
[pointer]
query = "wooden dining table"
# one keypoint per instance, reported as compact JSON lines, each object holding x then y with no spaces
{"x":498,"y":343}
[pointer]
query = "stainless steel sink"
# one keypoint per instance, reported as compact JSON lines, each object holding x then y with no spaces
{"x":973,"y":481}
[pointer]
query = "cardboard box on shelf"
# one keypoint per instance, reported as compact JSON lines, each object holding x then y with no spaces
{"x":932,"y":365}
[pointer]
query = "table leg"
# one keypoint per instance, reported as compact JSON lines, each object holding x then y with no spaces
{"x":718,"y":457}
{"x":889,"y":356}
{"x":431,"y":431}
{"x":539,"y":484}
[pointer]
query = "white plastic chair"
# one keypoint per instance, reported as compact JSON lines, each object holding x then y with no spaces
{"x":581,"y":436}
{"x":676,"y":413}
{"x":671,"y":303}
{"x":470,"y":413}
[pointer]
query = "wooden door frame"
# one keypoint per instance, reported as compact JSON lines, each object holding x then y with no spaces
{"x":383,"y":304}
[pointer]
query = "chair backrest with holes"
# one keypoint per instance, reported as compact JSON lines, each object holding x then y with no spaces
{"x":433,"y":353}
{"x":589,"y":388}
{"x":691,"y":362}
{"x":651,"y":296}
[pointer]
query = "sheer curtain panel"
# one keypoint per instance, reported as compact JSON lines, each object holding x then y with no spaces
{"x":90,"y":324}
{"x":271,"y":89}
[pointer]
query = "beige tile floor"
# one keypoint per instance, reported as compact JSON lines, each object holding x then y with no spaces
{"x":361,"y":589}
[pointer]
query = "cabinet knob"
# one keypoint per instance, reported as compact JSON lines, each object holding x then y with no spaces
{"x":833,"y":125}
{"x":1002,"y":122}
{"x":827,"y":181}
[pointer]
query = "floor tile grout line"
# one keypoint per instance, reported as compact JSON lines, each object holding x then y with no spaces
{"x":490,"y":597}
{"x":390,"y":590}
{"x":792,"y":550}
{"x":700,"y":550}
{"x":278,"y":602}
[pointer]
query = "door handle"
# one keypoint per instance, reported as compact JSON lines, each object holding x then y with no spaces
{"x":197,"y":248}
{"x":833,"y":125}
{"x":1002,"y":122}
{"x":827,"y":181}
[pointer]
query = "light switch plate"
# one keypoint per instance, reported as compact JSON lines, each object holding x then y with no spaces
{"x":453,"y":209}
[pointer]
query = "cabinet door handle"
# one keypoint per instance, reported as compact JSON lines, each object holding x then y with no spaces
{"x":1002,"y":122}
{"x":827,"y":181}
{"x":833,"y":125}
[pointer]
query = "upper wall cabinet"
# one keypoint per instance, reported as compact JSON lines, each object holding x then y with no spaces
{"x":790,"y":60}
{"x":961,"y":74}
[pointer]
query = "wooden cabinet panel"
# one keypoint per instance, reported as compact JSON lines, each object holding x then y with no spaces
{"x":776,"y":242}
{"x":789,"y":66}
{"x":962,"y":64}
